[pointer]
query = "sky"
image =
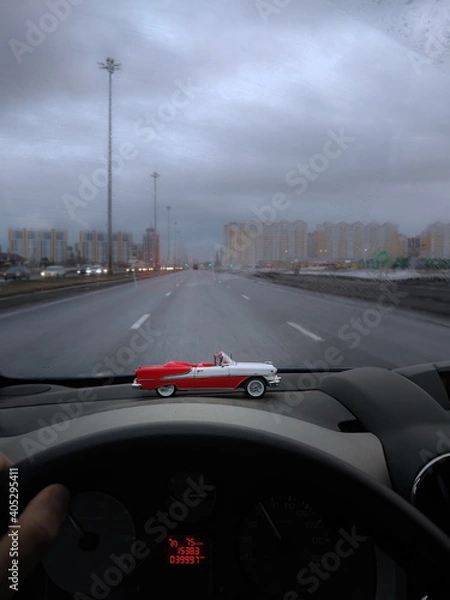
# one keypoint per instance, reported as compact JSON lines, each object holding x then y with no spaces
{"x":321,"y":110}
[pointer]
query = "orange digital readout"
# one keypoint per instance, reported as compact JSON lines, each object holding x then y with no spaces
{"x":186,"y":550}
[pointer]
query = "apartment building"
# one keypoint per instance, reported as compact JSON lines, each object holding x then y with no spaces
{"x":38,"y":244}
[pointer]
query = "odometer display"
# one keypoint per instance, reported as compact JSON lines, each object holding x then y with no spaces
{"x":187,"y":550}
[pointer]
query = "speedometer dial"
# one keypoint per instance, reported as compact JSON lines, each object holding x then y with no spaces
{"x":95,"y":542}
{"x":280,"y":534}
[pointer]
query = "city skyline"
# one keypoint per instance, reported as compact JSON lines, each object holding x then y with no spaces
{"x":34,"y":244}
{"x":250,"y":242}
{"x":284,"y":241}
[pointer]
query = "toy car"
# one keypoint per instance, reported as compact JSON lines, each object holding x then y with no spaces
{"x":222,"y":374}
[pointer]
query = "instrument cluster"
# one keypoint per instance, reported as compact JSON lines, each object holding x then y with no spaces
{"x":143,"y":532}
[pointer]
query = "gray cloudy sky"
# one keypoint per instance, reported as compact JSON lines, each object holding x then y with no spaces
{"x":341,"y":105}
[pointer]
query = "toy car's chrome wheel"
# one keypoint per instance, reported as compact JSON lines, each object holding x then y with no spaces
{"x":255,"y":388}
{"x":166,"y":391}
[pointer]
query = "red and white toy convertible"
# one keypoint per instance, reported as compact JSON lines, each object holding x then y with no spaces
{"x":223,"y":374}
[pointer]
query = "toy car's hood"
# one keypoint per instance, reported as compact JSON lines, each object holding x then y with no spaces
{"x":171,"y":367}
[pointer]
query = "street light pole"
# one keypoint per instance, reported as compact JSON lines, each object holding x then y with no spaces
{"x":180,"y":249}
{"x":174,"y":242}
{"x":155,"y":176}
{"x":178,"y":233}
{"x":111,"y":67}
{"x":168,"y":235}
{"x":156,"y":249}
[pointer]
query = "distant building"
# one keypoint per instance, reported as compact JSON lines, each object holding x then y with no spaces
{"x":256,"y":243}
{"x":35,"y":245}
{"x":402,"y":246}
{"x":413,"y":244}
{"x":93,"y":247}
{"x":435,"y":241}
{"x":137,"y":252}
{"x":354,"y":241}
{"x":312,"y":244}
{"x":150,"y":248}
{"x":122,"y":247}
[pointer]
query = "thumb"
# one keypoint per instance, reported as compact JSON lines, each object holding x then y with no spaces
{"x":38,"y":527}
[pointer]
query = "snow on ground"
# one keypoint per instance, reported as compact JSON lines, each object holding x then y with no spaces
{"x":396,"y":274}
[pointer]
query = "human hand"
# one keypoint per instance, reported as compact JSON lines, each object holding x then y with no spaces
{"x":39,"y":523}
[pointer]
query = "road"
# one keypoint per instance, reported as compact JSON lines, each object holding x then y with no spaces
{"x":191,"y":314}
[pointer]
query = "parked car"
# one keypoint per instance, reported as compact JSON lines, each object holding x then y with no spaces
{"x":224,"y":373}
{"x":53,"y":271}
{"x":17,"y":272}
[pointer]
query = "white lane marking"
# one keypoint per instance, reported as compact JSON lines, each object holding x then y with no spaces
{"x":140,"y":321}
{"x":168,"y":293}
{"x":301,"y":329}
{"x":246,"y":297}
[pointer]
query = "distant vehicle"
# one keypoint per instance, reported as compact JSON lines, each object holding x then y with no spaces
{"x":53,"y":271}
{"x":195,"y":266}
{"x":83,"y":270}
{"x":98,"y":270}
{"x":17,"y":272}
{"x":91,"y":270}
{"x":140,"y":267}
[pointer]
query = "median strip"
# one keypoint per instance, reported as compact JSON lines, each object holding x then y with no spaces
{"x":16,"y":288}
{"x":18,"y":293}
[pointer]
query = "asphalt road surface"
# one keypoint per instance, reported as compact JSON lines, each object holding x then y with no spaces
{"x":191,"y":314}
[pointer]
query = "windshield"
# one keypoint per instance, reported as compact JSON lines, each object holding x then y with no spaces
{"x":222,"y":359}
{"x":269,"y":177}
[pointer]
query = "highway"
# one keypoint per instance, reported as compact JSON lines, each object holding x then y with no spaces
{"x":191,"y":314}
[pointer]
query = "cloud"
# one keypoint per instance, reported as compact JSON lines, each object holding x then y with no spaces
{"x":266,"y":93}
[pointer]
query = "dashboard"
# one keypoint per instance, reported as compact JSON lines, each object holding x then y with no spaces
{"x":307,"y":494}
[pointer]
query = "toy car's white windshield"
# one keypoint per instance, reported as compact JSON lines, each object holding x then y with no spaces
{"x":220,"y":358}
{"x":226,"y":360}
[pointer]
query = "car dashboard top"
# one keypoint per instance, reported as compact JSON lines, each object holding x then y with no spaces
{"x":209,"y":507}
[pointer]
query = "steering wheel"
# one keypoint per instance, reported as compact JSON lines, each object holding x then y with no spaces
{"x":406,"y":534}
